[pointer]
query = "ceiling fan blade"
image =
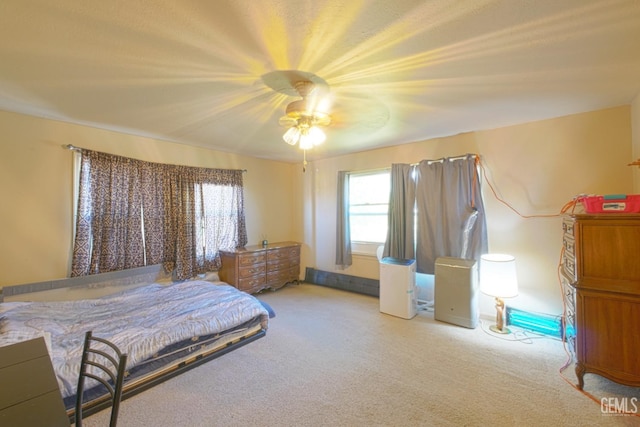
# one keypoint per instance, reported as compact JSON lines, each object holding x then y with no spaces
{"x":287,"y":121}
{"x":284,"y":81}
{"x":322,"y":120}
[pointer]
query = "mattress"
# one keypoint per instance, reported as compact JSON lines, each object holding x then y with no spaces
{"x":145,"y":322}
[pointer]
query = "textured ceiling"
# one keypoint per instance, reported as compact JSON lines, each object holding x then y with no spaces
{"x":399,"y":71}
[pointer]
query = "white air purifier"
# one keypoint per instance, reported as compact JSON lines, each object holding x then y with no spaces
{"x":398,"y":293}
{"x":456,"y":292}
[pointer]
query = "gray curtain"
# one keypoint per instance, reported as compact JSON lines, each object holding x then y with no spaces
{"x":400,"y":240}
{"x":343,"y":231}
{"x":451,"y":217}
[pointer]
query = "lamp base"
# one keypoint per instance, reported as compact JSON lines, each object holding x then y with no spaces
{"x":498,"y":330}
{"x":500,"y":327}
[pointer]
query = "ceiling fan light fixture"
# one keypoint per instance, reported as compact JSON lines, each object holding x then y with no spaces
{"x":305,"y":142}
{"x":292,"y":135}
{"x":304,"y":116}
{"x":307,"y":137}
{"x":316,"y":135}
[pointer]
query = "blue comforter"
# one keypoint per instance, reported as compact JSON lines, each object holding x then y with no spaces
{"x":141,"y":321}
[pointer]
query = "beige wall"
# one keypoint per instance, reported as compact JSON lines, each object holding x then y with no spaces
{"x":36,"y":190}
{"x":535,"y":167}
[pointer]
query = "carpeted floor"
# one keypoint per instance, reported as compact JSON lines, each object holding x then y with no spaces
{"x":330,"y":358}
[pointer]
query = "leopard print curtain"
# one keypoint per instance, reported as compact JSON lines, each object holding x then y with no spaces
{"x":133,"y":213}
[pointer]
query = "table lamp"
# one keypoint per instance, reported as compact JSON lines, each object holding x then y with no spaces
{"x":498,"y":279}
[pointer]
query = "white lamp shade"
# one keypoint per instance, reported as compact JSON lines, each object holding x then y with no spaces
{"x":498,"y":275}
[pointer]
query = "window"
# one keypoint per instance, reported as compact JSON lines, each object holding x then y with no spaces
{"x":132,"y":213}
{"x":218,"y":221}
{"x":368,"y":209}
{"x":442,"y":228}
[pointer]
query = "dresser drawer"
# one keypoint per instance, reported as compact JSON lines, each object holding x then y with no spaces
{"x":249,"y":259}
{"x":278,"y":264}
{"x":294,"y":260}
{"x":294,"y":252}
{"x":568,"y":227}
{"x":251,"y":270}
{"x":277,"y":276}
{"x":569,"y":321}
{"x":569,"y":268}
{"x":569,"y":245}
{"x":568,"y":294}
{"x":252,"y":284}
{"x":294,"y":273}
{"x":277,"y":254}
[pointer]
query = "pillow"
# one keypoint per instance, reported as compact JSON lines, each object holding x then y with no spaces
{"x":211,"y":276}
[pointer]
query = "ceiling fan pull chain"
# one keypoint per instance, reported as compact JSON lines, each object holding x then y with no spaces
{"x":304,"y":162}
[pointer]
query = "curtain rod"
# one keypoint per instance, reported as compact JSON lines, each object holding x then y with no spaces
{"x":463,"y":156}
{"x":451,"y":159}
{"x":370,"y":170}
{"x":78,"y":149}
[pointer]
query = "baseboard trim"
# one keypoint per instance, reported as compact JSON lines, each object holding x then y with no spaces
{"x":361,"y":285}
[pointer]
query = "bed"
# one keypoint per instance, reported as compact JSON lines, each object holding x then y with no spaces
{"x":164,"y":328}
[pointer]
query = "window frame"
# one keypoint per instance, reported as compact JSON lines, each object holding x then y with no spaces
{"x":366,"y":247}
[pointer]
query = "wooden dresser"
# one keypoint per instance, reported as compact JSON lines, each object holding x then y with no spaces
{"x":254,"y":268}
{"x":601,"y":284}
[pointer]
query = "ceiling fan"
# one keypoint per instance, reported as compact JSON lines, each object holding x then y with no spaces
{"x":355,"y":111}
{"x":304,"y":117}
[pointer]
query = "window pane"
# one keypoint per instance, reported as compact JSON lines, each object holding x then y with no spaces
{"x":368,"y":209}
{"x":369,"y":188}
{"x":369,"y":228}
{"x":368,"y":206}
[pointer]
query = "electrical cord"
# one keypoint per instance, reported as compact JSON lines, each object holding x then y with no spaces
{"x":501,"y":200}
{"x":516,"y":335}
{"x":600,"y":402}
{"x":568,"y":207}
